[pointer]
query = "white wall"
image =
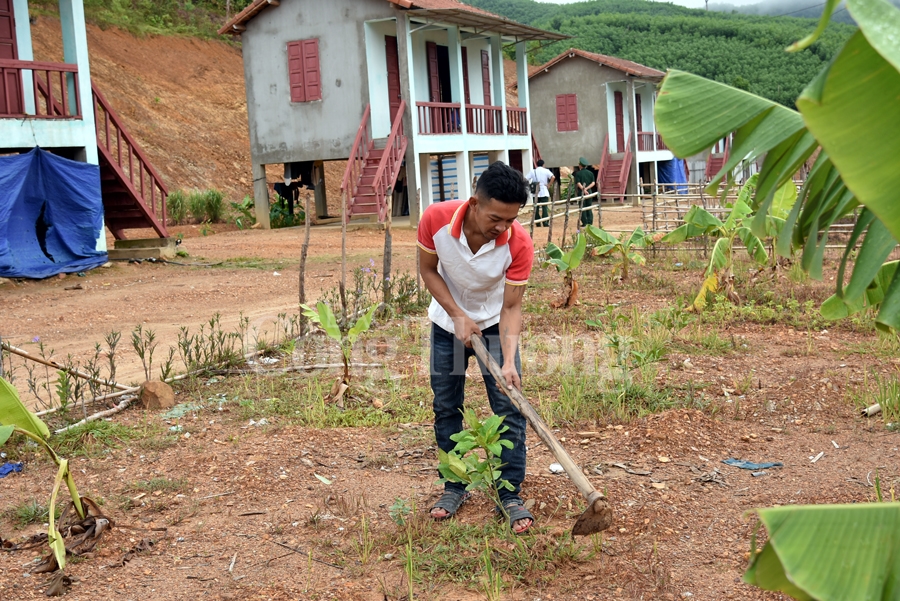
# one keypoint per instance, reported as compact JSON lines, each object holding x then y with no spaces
{"x":376,"y":65}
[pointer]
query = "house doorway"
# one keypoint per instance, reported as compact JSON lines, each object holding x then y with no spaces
{"x":393,"y":74}
{"x":515,"y":160}
{"x":439,"y":88}
{"x":11,"y":102}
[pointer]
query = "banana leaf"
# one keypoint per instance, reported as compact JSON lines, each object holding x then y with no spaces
{"x":830,"y":552}
{"x":14,"y":413}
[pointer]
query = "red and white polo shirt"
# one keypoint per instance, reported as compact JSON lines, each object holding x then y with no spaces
{"x":476,"y":281}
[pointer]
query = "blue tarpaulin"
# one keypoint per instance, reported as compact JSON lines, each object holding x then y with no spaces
{"x":51,"y":215}
{"x":672,"y":172}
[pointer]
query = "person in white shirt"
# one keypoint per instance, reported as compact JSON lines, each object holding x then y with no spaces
{"x":544,"y":178}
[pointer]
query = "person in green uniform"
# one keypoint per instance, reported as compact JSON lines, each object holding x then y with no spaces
{"x":584,"y":184}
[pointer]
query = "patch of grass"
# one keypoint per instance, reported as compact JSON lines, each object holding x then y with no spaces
{"x":29,"y":512}
{"x":885,"y":346}
{"x":177,"y":207}
{"x":301,"y":400}
{"x":884,"y":390}
{"x":161,"y":484}
{"x":92,"y":438}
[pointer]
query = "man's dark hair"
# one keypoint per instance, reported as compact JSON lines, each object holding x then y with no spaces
{"x":503,"y":183}
{"x":540,"y":162}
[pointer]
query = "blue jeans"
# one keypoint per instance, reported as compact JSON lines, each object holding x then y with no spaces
{"x":449,"y":359}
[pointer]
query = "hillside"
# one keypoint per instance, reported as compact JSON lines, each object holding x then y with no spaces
{"x":741,"y":50}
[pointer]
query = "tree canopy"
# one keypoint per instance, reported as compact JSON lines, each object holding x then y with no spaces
{"x":744,"y":51}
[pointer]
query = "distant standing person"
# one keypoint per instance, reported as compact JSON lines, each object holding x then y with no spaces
{"x":584,"y":183}
{"x":475,"y":259}
{"x":544,"y":178}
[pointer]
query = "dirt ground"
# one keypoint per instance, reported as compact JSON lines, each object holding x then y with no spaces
{"x":681,"y":529}
{"x":253,"y":521}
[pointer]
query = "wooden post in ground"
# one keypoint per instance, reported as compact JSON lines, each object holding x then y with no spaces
{"x":554,"y":198}
{"x":386,"y":264}
{"x":534,"y":210}
{"x":304,"y":250}
{"x":565,"y":224}
{"x":343,"y":288}
{"x":653,"y":193}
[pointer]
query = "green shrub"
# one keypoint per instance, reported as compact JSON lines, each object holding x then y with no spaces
{"x":176,"y":207}
{"x":197,"y":205}
{"x":213,"y":202}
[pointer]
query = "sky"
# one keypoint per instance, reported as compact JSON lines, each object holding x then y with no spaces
{"x":688,"y":3}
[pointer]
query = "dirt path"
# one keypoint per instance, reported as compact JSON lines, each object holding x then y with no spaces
{"x":255,"y":273}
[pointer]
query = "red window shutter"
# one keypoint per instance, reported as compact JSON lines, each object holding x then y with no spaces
{"x":295,"y":71}
{"x":434,"y":78}
{"x":486,"y":76}
{"x":572,"y":112}
{"x":465,"y":65}
{"x":562,"y":123}
{"x":311,"y":76}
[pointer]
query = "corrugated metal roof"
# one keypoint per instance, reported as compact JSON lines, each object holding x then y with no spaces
{"x":620,"y":64}
{"x":445,"y":11}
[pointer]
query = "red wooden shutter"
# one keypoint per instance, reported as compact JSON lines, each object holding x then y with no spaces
{"x":465,"y":62}
{"x":561,"y":123}
{"x":637,"y":109}
{"x":572,"y":112}
{"x":303,"y":70}
{"x":486,"y":76}
{"x":620,"y":122}
{"x":11,"y":100}
{"x":311,"y":76}
{"x":295,"y":71}
{"x":434,"y":78}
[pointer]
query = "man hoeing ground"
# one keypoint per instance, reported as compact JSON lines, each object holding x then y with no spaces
{"x":475,"y":259}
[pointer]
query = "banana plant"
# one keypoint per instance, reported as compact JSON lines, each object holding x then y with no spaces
{"x":324,"y":317}
{"x":625,"y":246}
{"x":848,"y":119}
{"x":849,"y":113}
{"x":566,"y":263}
{"x":719,"y":274}
{"x":15,"y":418}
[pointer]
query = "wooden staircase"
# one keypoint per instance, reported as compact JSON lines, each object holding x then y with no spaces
{"x":614,"y":172}
{"x":134,"y":195}
{"x":373,"y":168}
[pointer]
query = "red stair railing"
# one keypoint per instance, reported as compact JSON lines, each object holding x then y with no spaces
{"x":626,"y":167}
{"x":604,"y":160}
{"x":389,"y":166}
{"x":358,"y":153}
{"x":129,"y":161}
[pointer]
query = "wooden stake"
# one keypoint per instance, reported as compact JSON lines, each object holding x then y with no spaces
{"x":304,"y":250}
{"x":386,"y":261}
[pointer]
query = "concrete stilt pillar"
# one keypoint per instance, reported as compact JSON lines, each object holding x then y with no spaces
{"x":261,"y":196}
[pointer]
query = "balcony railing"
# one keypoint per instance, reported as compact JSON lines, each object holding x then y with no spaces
{"x":439,"y":118}
{"x":648,"y":141}
{"x":517,"y":121}
{"x":50,"y":86}
{"x":484,"y":119}
{"x":660,"y":145}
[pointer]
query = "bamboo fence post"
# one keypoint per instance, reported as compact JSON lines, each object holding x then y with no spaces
{"x":565,"y":224}
{"x":554,"y":198}
{"x":534,"y":210}
{"x":304,"y":250}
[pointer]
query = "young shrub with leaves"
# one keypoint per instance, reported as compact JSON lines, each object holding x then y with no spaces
{"x":325,"y":318}
{"x":566,"y":263}
{"x":463,"y":465}
{"x":625,"y":246}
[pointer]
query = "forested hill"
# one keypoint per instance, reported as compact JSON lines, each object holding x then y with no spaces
{"x":745,"y":51}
